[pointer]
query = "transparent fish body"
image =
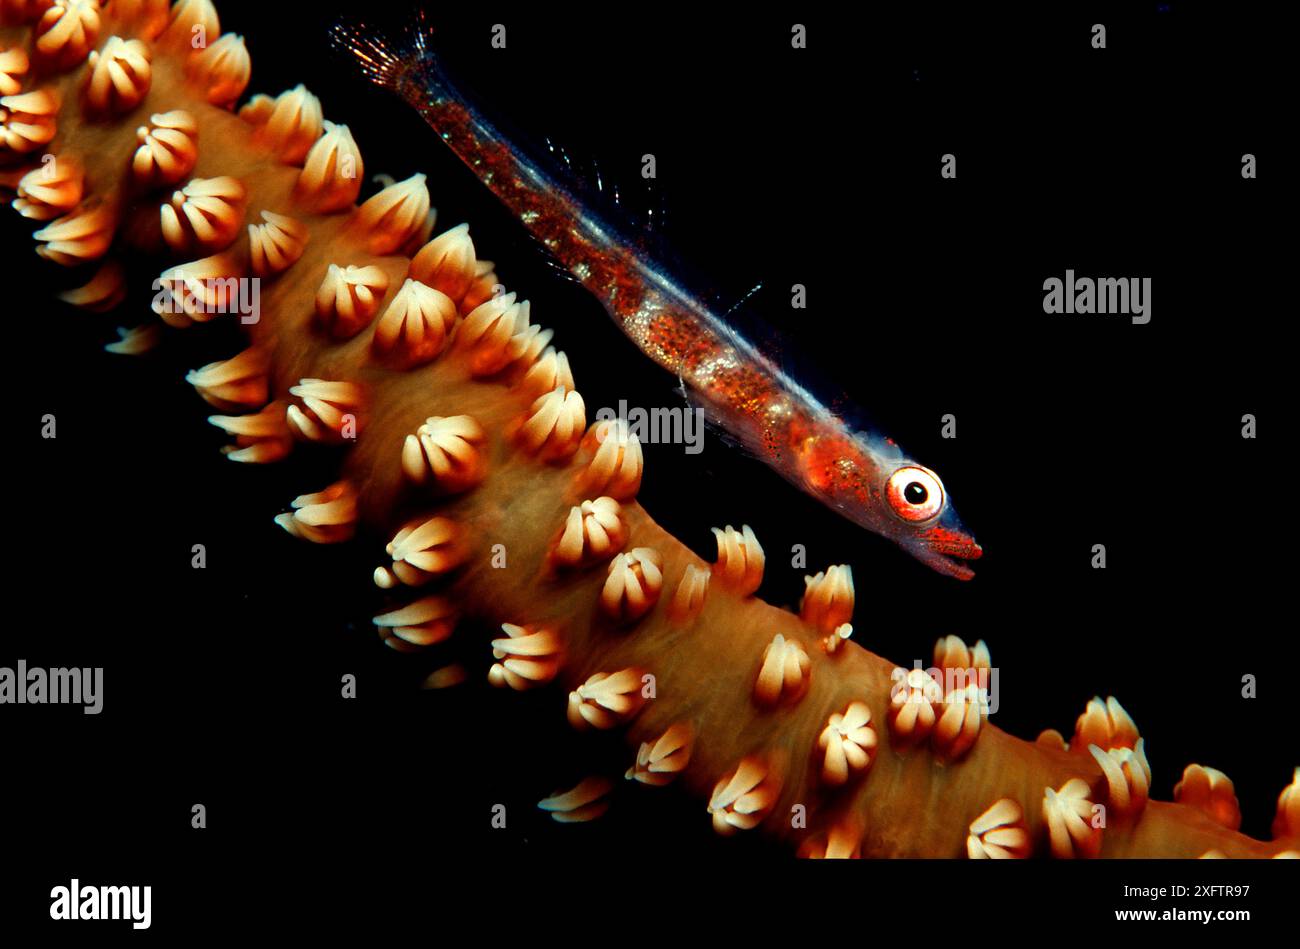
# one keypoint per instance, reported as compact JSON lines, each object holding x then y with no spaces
{"x":864,"y":476}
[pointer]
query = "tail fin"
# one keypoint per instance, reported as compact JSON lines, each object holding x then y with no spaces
{"x":386,"y":55}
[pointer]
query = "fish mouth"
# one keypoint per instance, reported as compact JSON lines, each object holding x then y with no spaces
{"x":946,"y":550}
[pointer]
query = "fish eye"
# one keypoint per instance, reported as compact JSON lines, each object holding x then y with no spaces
{"x":914,"y":493}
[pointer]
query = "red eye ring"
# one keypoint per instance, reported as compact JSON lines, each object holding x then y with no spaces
{"x":914,"y":493}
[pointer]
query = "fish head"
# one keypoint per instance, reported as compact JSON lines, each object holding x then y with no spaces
{"x":923,"y":521}
{"x":870,"y":481}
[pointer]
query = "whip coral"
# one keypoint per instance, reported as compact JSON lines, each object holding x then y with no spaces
{"x":463,"y":434}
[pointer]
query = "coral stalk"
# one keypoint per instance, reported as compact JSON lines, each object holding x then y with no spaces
{"x":455,"y":407}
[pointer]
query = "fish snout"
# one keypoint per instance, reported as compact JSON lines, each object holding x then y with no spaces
{"x":946,"y":549}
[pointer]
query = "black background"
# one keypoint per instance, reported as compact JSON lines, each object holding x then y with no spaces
{"x":817,"y":167}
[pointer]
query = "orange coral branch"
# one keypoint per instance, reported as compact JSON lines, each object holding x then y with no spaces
{"x":468,"y":439}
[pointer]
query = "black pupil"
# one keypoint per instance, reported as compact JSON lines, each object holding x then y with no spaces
{"x":915,"y":493}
